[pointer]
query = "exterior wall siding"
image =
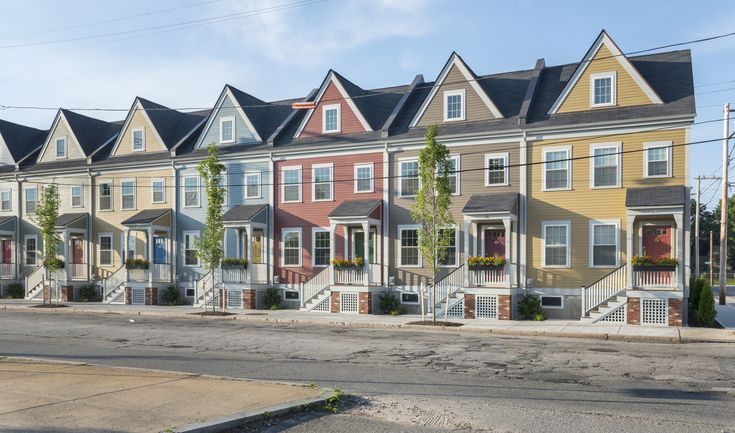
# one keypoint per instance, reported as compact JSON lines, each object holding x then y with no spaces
{"x":348,"y":122}
{"x":73,"y":150}
{"x":243,"y":135}
{"x":152,"y":144}
{"x":5,"y":157}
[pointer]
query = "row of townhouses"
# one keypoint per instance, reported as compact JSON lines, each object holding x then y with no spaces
{"x":563,"y":174}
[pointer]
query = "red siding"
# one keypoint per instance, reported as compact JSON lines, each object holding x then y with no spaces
{"x":349,"y":122}
{"x":308,"y":214}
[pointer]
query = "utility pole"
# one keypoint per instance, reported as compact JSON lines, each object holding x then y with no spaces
{"x":696,"y":227}
{"x":723,"y":209}
{"x":711,"y":259}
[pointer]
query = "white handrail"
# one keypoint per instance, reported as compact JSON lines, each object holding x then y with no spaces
{"x":315,"y":285}
{"x":448,"y":286}
{"x":36,"y":277}
{"x":201,"y":287}
{"x":603,"y":289}
{"x":648,"y":279}
{"x":114,"y":281}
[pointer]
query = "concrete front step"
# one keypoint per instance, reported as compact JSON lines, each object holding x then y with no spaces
{"x":326,"y":293}
{"x":604,"y":309}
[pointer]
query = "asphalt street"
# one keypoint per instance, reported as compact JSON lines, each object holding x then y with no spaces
{"x":415,"y":381}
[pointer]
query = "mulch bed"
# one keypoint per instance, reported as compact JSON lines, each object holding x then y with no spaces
{"x":694,"y":323}
{"x":48,"y":306}
{"x":437,"y":323}
{"x":213,"y":313}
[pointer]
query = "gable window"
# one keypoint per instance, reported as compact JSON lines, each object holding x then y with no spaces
{"x":105,"y":249}
{"x":31,"y":200}
{"x":31,"y":244}
{"x":454,"y":105}
{"x":322,"y":177}
{"x":658,"y":159}
{"x":252,"y":184}
{"x":106,"y":195}
{"x":364,"y":178}
{"x":409,"y":246}
{"x":555,"y":239}
{"x":291,"y":247}
{"x":227,"y":130}
{"x":321,"y":253}
{"x":191,"y":191}
{"x":557,"y":169}
{"x":604,"y":241}
{"x":61,"y":148}
{"x":602,"y":89}
{"x":190,"y":252}
{"x":409,"y":174}
{"x":453,"y":176}
{"x":127,"y":194}
{"x":158,"y":190}
{"x":496,"y":165}
{"x":449,"y":258}
{"x":5,"y":200}
{"x":138,"y":139}
{"x":331,"y":118}
{"x":76,"y":196}
{"x":291,"y":181}
{"x":605,"y":166}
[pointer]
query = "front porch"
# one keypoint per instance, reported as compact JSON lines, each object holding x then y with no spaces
{"x":8,"y":259}
{"x":73,"y":229}
{"x":246,"y":249}
{"x":148,"y":246}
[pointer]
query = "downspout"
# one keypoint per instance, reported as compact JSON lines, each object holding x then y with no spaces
{"x":271,"y":219}
{"x":19,"y":213}
{"x":174,"y":234}
{"x":522,"y":272}
{"x":385,"y":271}
{"x":90,"y":223}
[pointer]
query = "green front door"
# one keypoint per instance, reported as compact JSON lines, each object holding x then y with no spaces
{"x":359,"y":245}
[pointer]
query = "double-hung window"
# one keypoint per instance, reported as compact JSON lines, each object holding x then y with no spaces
{"x":555,"y":237}
{"x":31,"y":244}
{"x":252,"y":184}
{"x":127,"y":194}
{"x":138,"y":139}
{"x":557,"y":169}
{"x":604,"y":240}
{"x":602,"y":89}
{"x":31,"y":199}
{"x":449,"y":253}
{"x":158,"y":190}
{"x":106,"y":195}
{"x":291,"y":181}
{"x":454,"y":105}
{"x":331,"y":118}
{"x":409,"y":246}
{"x":291,"y":247}
{"x":191,"y":191}
{"x":76,"y":196}
{"x":364,"y":177}
{"x":453,"y":175}
{"x":105,"y":240}
{"x":322,"y":182}
{"x":321,"y":251}
{"x":605,"y":166}
{"x":658,"y":159}
{"x":227,"y":130}
{"x":6,"y":202}
{"x":61,"y":148}
{"x":190,"y":252}
{"x":496,"y":169}
{"x":409,"y":174}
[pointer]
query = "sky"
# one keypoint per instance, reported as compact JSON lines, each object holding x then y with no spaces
{"x":101,"y":54}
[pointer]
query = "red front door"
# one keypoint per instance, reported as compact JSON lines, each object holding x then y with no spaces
{"x":657,"y":241}
{"x":7,"y":251}
{"x":494,"y":243}
{"x":77,"y":251}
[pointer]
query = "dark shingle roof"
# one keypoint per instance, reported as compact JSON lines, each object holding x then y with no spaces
{"x":170,"y":124}
{"x":65,"y":219}
{"x":147,"y":216}
{"x":656,"y":196}
{"x":354,"y":208}
{"x":500,"y":202}
{"x":6,"y":219}
{"x":91,"y":133}
{"x":264,"y":116}
{"x":243,"y":212}
{"x":21,"y":140}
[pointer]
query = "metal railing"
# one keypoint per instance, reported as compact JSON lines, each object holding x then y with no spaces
{"x":315,"y":285}
{"x":603,"y":289}
{"x":115,"y":280}
{"x":34,"y":279}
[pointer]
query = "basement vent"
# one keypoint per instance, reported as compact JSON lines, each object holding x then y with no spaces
{"x":486,"y":307}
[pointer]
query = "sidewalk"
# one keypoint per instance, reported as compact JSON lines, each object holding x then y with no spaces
{"x":548,"y":328}
{"x":726,"y":313}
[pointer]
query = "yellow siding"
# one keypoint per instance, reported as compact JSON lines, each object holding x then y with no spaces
{"x":475,"y":109}
{"x":582,"y":204}
{"x":629,"y":92}
{"x":73,"y":151}
{"x":152,"y":144}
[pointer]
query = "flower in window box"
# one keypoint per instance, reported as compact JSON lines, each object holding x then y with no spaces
{"x":234,"y":263}
{"x":348,"y":264}
{"x":136,"y":264}
{"x":482,"y":262}
{"x":646,"y":263}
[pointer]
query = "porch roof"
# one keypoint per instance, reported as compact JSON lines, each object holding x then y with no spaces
{"x":147,"y":216}
{"x":7,"y":220}
{"x":354,"y":209}
{"x":67,"y":219}
{"x":486,"y":203}
{"x":656,"y":196}
{"x":243,"y":213}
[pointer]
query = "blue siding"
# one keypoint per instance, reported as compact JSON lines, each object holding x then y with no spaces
{"x":242,"y":132}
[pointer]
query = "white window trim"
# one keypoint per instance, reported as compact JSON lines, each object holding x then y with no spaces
{"x":112,"y":202}
{"x":458,"y":172}
{"x":613,"y":88}
{"x":132,"y":139}
{"x":400,"y":176}
{"x":196,"y":234}
{"x":56,"y":148}
{"x":456,"y":248}
{"x":81,"y":196}
{"x":569,"y":161}
{"x":401,"y":228}
{"x":99,"y":249}
{"x":10,"y":199}
{"x":221,"y":121}
{"x":313,"y":181}
{"x":605,"y":222}
{"x":447,"y":94}
{"x":618,"y":146}
{"x":653,"y":145}
{"x":25,"y":199}
{"x":372,"y":177}
{"x":283,"y":246}
{"x":324,"y":118}
{"x":409,"y":302}
{"x":299,"y":184}
{"x":25,"y":250}
{"x":568,"y":225}
{"x":135,"y":194}
{"x":488,"y":157}
{"x":183,"y":191}
{"x":314,"y":231}
{"x":260,"y":190}
{"x":153,"y":195}
{"x":561,"y":307}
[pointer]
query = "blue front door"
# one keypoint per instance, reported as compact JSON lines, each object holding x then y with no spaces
{"x":159,"y":250}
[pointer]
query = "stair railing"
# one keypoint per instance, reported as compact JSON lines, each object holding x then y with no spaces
{"x":603,"y":289}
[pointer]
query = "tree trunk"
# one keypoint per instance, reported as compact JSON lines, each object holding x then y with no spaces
{"x":433,"y":296}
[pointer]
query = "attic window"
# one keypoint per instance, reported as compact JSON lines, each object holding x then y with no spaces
{"x":331,"y":118}
{"x":454,"y":105}
{"x":138,"y":139}
{"x":227,"y":130}
{"x":602,"y":89}
{"x":60,"y":148}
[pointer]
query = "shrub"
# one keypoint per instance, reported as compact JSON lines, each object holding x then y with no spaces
{"x":272,"y":298}
{"x":695,"y":289}
{"x":230,"y":262}
{"x":529,"y":308}
{"x":88,"y":293}
{"x":171,"y":295}
{"x":136,"y":264}
{"x":539,"y":317}
{"x":389,"y":303}
{"x":15,"y":291}
{"x":706,"y":311}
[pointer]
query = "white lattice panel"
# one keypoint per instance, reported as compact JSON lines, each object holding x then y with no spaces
{"x":260,"y":299}
{"x":617,"y":316}
{"x":324,"y":306}
{"x":486,"y":307}
{"x":654,"y":311}
{"x":456,"y":311}
{"x":138,"y":296}
{"x":234,"y":299}
{"x":349,"y":302}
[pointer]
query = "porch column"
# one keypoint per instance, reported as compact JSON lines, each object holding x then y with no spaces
{"x":474,"y":237}
{"x":149,"y":253}
{"x":629,"y":251}
{"x":680,"y":231}
{"x":126,"y":250}
{"x":466,"y":271}
{"x":332,"y":236}
{"x":249,"y":249}
{"x":508,"y":265}
{"x":66,"y":254}
{"x":169,"y":255}
{"x":347,"y":242}
{"x":366,"y":259}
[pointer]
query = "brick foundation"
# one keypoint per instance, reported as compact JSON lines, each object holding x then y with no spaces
{"x":469,"y":306}
{"x":334,"y":302}
{"x":128,"y":295}
{"x":634,"y":311}
{"x":505,"y":307}
{"x":249,"y":299}
{"x":151,"y":295}
{"x":675,"y":312}
{"x":67,"y":293}
{"x":365,"y":302}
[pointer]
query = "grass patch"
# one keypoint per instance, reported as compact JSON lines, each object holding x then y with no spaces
{"x":331,"y":404}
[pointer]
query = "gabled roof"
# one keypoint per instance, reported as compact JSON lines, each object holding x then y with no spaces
{"x":21,"y":140}
{"x":243,"y":212}
{"x":354,"y":208}
{"x":488,"y":203}
{"x":456,"y":61}
{"x":66,"y":219}
{"x":89,"y":132}
{"x":604,"y":40}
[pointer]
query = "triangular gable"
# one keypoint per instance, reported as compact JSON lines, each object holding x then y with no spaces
{"x":6,"y":158}
{"x":605,"y":56}
{"x":137,"y":118}
{"x":209,"y":133}
{"x":333,"y":91}
{"x":18,"y":142}
{"x":61,"y":129}
{"x":469,"y":80}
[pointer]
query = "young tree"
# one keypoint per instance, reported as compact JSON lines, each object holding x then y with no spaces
{"x":209,"y":246}
{"x":47,"y":212}
{"x":431,"y":209}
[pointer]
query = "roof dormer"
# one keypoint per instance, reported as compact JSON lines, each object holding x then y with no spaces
{"x":74,"y":136}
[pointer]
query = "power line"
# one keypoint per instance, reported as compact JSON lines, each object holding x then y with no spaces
{"x":715,"y":84}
